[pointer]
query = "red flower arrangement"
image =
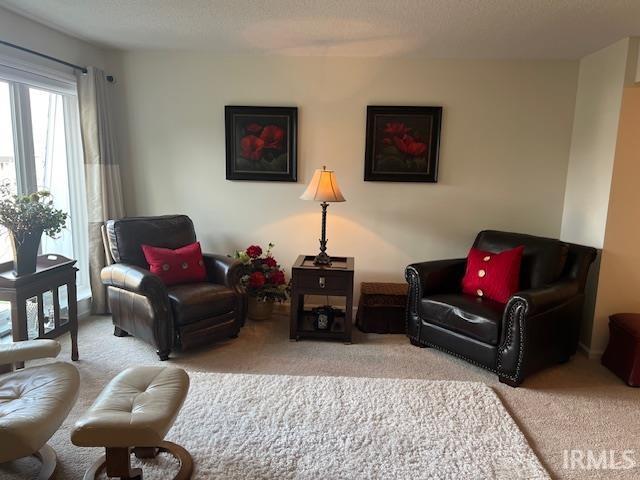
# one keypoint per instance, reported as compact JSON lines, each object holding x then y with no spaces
{"x":263,"y":277}
{"x":261,"y":142}
{"x":257,"y":280}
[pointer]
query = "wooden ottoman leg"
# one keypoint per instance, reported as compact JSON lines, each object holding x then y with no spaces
{"x":119,"y":464}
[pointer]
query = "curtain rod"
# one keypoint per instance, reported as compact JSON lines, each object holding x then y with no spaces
{"x":53,"y":59}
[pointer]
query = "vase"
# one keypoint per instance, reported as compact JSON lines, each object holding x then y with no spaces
{"x":260,"y":309}
{"x":25,"y":253}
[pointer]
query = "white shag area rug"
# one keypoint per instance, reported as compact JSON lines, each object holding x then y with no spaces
{"x":286,"y":427}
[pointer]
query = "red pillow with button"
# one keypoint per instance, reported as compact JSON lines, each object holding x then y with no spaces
{"x":182,"y":265}
{"x":493,"y":275}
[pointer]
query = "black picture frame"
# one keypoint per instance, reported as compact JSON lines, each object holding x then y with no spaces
{"x":402,"y":144}
{"x":261,"y":143}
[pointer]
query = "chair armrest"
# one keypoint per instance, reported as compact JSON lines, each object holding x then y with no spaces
{"x":28,"y":350}
{"x":440,"y":276}
{"x":538,"y":328}
{"x":538,"y":300}
{"x":223,"y":270}
{"x":132,"y":278}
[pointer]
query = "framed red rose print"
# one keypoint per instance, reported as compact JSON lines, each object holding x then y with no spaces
{"x":261,"y":143}
{"x":402,"y":144}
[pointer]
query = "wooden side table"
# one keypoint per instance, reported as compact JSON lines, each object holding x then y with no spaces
{"x":335,"y":280}
{"x":52,"y":272}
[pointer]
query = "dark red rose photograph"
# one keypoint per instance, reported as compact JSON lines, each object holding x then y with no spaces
{"x":261,"y":143}
{"x":402,"y":144}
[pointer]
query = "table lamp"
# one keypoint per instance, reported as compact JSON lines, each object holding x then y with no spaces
{"x":323,"y":188}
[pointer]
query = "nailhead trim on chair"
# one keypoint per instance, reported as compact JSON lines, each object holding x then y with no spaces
{"x":517,"y":306}
{"x":415,"y":291}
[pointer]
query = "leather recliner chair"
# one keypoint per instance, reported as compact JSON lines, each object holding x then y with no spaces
{"x":169,"y":317}
{"x":538,"y":327}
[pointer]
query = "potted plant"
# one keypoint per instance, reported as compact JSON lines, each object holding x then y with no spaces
{"x":263,"y":280}
{"x":27,"y":217}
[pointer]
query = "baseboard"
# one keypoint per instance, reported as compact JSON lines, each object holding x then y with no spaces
{"x":591,"y":354}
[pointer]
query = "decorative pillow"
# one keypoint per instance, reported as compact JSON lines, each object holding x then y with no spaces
{"x":182,"y":265}
{"x":493,"y":275}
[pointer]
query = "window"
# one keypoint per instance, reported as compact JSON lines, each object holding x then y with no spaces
{"x":40,"y":149}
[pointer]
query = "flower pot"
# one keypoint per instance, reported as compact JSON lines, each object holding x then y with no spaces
{"x":260,"y":310}
{"x":25,"y":253}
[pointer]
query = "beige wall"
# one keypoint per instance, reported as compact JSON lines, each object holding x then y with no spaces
{"x":601,"y":79}
{"x":505,"y":147}
{"x":600,"y":82}
{"x":619,"y":289}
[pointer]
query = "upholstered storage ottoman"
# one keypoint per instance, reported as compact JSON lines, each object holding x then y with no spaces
{"x":622,"y":355}
{"x":382,"y":307}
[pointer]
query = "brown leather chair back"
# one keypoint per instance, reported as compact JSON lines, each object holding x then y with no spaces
{"x":105,"y":244}
{"x":126,"y":235}
{"x":579,"y":260}
{"x":543,"y":261}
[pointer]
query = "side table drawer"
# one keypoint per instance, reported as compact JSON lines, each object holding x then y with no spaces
{"x":322,"y":281}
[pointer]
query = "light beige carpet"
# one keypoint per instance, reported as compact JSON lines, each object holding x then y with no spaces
{"x":282,"y":427}
{"x":579,"y":405}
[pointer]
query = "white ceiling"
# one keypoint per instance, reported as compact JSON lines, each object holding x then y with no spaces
{"x":430,"y":28}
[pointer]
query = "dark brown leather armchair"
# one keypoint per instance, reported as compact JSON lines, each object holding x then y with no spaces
{"x":178,"y":316}
{"x":538,"y":327}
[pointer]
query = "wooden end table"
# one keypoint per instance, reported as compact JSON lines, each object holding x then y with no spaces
{"x":52,"y":272}
{"x":335,"y":280}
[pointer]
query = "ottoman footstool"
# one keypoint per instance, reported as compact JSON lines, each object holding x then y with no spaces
{"x":382,"y":307}
{"x":622,"y":355}
{"x":134,"y":412}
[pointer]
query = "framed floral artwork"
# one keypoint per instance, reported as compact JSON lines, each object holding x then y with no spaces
{"x":261,"y":143}
{"x":402,"y":144}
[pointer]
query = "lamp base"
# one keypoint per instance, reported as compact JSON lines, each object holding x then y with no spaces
{"x":322,"y":259}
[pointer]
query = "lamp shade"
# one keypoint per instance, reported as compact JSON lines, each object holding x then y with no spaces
{"x":323,"y":187}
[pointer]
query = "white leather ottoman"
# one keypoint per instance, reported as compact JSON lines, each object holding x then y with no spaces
{"x":134,"y":412}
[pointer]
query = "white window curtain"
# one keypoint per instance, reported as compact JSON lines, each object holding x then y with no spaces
{"x":102,"y":172}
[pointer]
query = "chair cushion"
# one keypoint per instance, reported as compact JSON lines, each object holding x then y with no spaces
{"x":543,"y":260}
{"x":475,"y":317}
{"x":197,"y":301}
{"x":33,"y":404}
{"x":126,"y":236}
{"x":136,"y":409}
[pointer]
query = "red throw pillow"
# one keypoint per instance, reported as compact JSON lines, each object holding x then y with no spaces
{"x":182,"y":265}
{"x":493,"y":275}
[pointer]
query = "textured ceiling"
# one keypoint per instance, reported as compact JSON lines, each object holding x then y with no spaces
{"x":430,"y":28}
